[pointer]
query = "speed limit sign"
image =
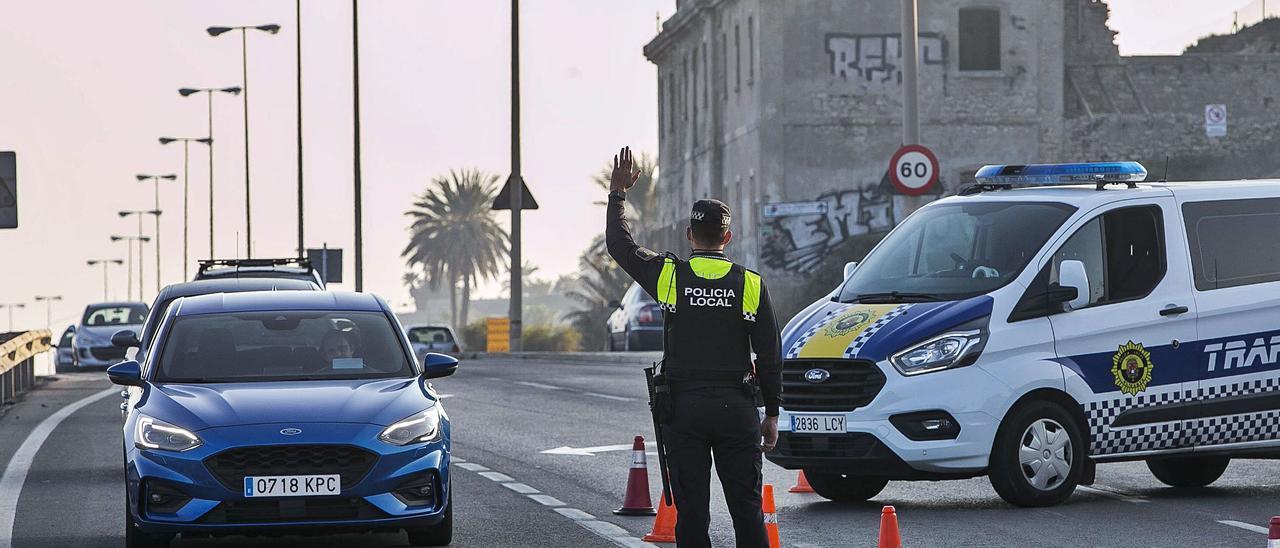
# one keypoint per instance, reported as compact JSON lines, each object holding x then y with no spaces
{"x":914,"y":170}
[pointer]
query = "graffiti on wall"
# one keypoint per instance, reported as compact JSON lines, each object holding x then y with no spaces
{"x":876,"y":58}
{"x":799,"y":243}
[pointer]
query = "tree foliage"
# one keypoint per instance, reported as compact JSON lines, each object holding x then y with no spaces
{"x":600,"y":281}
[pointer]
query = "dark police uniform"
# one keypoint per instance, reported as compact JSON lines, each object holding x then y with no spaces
{"x":716,"y":313}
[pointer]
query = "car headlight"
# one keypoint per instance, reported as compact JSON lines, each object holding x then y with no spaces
{"x":153,"y":433}
{"x":947,"y":351}
{"x":416,"y":428}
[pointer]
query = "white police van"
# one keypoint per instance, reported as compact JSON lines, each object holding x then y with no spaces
{"x":1034,"y":326}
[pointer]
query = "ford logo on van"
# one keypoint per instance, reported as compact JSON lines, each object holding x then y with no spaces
{"x":817,"y":375}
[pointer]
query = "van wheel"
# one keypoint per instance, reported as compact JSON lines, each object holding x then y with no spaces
{"x":1038,"y":455}
{"x":440,"y":534}
{"x":845,"y":487}
{"x":1188,"y":471}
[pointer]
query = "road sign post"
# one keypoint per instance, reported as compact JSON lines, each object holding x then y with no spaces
{"x":8,"y":190}
{"x":913,"y":169}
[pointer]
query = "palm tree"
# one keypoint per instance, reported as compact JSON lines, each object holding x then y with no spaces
{"x":454,"y":238}
{"x":642,"y":199}
{"x":601,"y":282}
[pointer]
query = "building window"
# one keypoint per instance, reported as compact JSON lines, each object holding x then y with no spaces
{"x":751,"y":50}
{"x":979,"y":39}
{"x":724,"y":66}
{"x":684,"y":91}
{"x":671,"y":100}
{"x":706,"y":75}
{"x":737,"y":59}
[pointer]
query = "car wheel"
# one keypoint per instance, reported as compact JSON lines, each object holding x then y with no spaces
{"x":137,"y":538}
{"x":1188,"y":471}
{"x":1038,"y":456}
{"x":440,"y":534}
{"x":845,"y":487}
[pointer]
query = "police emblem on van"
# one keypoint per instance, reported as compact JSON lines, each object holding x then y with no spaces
{"x":1132,"y":366}
{"x":849,"y":323}
{"x":817,"y":375}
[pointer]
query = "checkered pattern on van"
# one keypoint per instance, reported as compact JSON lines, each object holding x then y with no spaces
{"x":870,"y":331}
{"x":794,"y":351}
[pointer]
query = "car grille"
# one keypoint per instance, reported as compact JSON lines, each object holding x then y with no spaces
{"x":232,"y":465}
{"x":107,"y":353}
{"x":852,"y":384}
{"x":830,"y":446}
{"x":292,"y":509}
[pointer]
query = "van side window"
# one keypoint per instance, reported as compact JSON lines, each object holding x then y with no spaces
{"x":1122,"y":251}
{"x":1233,"y":242}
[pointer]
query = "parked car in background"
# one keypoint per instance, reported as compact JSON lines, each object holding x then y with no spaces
{"x":91,"y":345}
{"x":637,"y":322}
{"x":173,"y":292}
{"x":433,"y":338}
{"x":64,"y":355}
{"x":292,"y":268}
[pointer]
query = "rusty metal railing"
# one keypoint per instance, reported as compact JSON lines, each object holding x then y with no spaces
{"x":18,"y":353}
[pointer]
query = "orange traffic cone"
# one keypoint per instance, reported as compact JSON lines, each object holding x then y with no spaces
{"x":664,"y":526}
{"x":889,"y":537}
{"x":770,"y":517}
{"x":802,"y":485}
{"x":636,"y":502}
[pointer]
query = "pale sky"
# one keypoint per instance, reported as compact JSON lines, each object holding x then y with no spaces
{"x":90,"y":86}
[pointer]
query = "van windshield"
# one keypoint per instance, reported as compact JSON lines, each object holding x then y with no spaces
{"x":955,"y":251}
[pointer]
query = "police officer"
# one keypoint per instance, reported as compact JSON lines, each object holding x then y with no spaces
{"x":717,"y":313}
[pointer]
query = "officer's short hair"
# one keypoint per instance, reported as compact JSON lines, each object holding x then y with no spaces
{"x":709,"y":221}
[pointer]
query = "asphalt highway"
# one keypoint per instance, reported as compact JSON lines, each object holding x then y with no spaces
{"x":543,"y":450}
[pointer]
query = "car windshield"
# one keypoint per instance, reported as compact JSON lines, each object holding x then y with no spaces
{"x":128,"y":314}
{"x":281,"y":345}
{"x":955,"y":251}
{"x":428,"y":335}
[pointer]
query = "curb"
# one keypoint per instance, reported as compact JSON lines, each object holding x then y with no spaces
{"x":619,"y":358}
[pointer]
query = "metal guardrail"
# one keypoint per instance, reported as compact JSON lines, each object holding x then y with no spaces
{"x":17,"y":361}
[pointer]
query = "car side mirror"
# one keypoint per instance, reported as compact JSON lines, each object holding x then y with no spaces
{"x":125,"y":339}
{"x":1071,"y":274}
{"x":615,"y":304}
{"x":849,"y":267}
{"x":127,"y":373}
{"x":435,"y":365}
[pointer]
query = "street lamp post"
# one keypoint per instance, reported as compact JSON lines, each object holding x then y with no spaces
{"x":48,"y":307}
{"x":140,"y":239}
{"x":186,"y":191}
{"x":187,"y":92}
{"x":142,"y":177}
{"x":12,"y":306}
{"x":298,"y":32}
{"x":105,"y":284}
{"x":244,"y":86}
{"x":355,"y":71}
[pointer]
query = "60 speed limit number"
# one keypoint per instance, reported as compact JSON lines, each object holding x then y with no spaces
{"x":913,"y":170}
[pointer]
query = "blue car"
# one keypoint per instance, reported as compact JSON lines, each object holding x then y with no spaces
{"x":284,"y":412}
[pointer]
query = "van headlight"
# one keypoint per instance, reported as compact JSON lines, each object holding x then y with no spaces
{"x":152,"y":433}
{"x":416,"y":428}
{"x":946,"y":351}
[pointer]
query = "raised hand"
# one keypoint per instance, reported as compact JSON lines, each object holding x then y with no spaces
{"x":624,"y":174}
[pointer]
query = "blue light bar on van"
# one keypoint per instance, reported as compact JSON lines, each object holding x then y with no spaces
{"x":1061,"y":174}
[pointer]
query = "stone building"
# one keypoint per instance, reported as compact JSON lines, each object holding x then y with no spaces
{"x":767,"y":101}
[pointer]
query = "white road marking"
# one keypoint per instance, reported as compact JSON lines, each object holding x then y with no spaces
{"x":16,"y":472}
{"x":443,"y":396}
{"x":1109,"y":493}
{"x":603,"y":528}
{"x":574,"y":514}
{"x":539,"y":385}
{"x":1245,"y":526}
{"x":547,"y":500}
{"x":607,"y":396}
{"x":497,"y":476}
{"x":591,"y":451}
{"x":471,"y":466}
{"x":521,"y":488}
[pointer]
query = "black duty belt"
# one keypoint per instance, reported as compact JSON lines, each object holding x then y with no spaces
{"x":706,"y":374}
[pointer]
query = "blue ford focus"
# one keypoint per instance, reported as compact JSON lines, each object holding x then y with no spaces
{"x":281,"y":413}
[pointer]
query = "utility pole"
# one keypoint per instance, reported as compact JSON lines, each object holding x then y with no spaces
{"x":48,"y":308}
{"x":910,"y":73}
{"x":355,"y":69}
{"x":517,"y":187}
{"x":298,"y":28}
{"x":248,"y":218}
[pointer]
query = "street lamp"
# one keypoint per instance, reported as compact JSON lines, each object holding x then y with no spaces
{"x":142,"y":177}
{"x":139,"y":238}
{"x":244,"y":86}
{"x":12,"y":306}
{"x":48,"y":308}
{"x":187,"y":92}
{"x":105,"y":262}
{"x":186,"y":189}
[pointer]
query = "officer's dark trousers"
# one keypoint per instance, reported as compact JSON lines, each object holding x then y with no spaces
{"x":719,"y":421}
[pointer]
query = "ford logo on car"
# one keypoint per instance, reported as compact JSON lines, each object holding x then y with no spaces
{"x":290,"y":431}
{"x":817,"y":375}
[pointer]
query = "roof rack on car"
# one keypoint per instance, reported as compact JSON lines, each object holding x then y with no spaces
{"x":207,"y":264}
{"x":997,"y":177}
